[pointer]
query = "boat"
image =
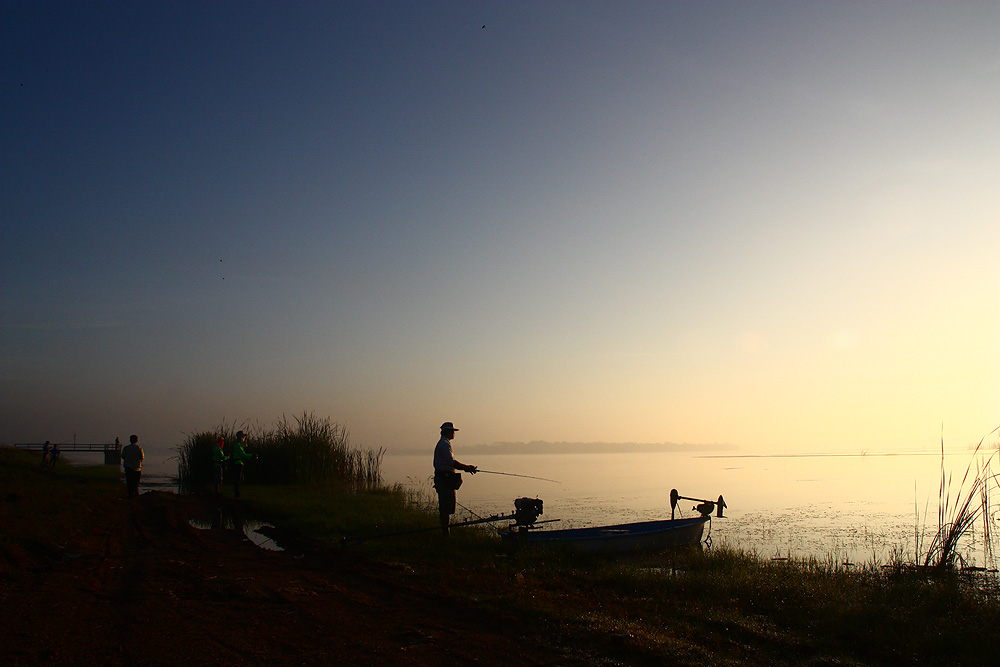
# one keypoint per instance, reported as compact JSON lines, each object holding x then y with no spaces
{"x":619,"y":538}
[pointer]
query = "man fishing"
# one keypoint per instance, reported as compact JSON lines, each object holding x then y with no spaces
{"x":446,"y":480}
{"x":239,"y":457}
{"x":219,"y":458}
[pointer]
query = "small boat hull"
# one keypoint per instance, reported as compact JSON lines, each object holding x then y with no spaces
{"x":621,"y":538}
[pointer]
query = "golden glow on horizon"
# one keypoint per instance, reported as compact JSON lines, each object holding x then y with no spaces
{"x":708,"y":224}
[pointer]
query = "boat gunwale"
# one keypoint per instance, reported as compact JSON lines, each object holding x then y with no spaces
{"x":595,"y":534}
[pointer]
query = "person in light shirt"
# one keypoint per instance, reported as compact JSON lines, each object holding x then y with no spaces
{"x":446,"y":480}
{"x":132,"y":457}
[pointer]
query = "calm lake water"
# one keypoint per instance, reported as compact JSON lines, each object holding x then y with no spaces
{"x":857,"y":509}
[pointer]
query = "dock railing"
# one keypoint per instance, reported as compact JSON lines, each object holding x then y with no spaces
{"x":112,"y":452}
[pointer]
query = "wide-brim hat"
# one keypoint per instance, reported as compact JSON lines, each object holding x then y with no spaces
{"x":448,"y":426}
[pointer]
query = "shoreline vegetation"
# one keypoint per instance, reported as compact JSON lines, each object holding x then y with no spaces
{"x":313,"y":450}
{"x":716,"y":606}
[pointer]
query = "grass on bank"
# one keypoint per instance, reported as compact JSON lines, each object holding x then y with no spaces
{"x":309,"y":478}
{"x":40,"y":507}
{"x":717,"y":607}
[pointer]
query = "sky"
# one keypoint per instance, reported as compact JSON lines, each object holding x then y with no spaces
{"x":769,"y":225}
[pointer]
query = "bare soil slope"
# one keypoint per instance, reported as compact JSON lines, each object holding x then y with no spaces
{"x":134,"y":583}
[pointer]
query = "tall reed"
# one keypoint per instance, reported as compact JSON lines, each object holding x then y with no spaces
{"x":956,"y":519}
{"x":311,"y":450}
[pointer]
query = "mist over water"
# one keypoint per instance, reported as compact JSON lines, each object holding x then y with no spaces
{"x":858,"y":508}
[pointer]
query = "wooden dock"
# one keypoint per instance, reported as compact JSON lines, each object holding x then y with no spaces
{"x":111,"y":451}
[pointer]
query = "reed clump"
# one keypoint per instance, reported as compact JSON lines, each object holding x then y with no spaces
{"x":957,"y":516}
{"x":307,"y":450}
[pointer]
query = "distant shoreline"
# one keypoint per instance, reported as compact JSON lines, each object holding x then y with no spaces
{"x":544,"y":447}
{"x":721,"y":451}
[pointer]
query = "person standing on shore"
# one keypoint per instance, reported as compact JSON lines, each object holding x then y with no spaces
{"x":240,"y":456}
{"x":54,"y":457}
{"x":446,"y":480}
{"x":219,"y":458}
{"x":132,"y":457}
{"x":46,"y":448}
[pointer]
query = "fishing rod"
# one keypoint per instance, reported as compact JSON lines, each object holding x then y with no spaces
{"x":470,"y":511}
{"x":510,"y":474}
{"x":489,"y":519}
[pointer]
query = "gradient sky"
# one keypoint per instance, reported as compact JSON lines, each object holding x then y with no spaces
{"x":771,"y":225}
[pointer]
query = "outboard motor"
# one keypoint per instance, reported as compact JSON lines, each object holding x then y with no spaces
{"x":704,"y":507}
{"x":526,"y":511}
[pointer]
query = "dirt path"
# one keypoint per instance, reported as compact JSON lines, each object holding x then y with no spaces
{"x":139,"y":585}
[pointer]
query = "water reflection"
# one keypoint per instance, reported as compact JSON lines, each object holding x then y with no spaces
{"x":252,"y":529}
{"x":159,"y":482}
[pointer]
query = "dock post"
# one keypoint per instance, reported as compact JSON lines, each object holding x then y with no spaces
{"x":112,"y":456}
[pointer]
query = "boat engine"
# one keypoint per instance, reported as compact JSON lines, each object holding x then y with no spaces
{"x":704,"y":507}
{"x":526,"y":511}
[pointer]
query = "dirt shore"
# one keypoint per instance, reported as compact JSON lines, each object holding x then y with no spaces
{"x":135,"y":583}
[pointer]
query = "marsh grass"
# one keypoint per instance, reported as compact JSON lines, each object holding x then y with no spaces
{"x":329,"y":513}
{"x":660,"y":606}
{"x":714,"y":607}
{"x":689,"y":607}
{"x":311,"y":450}
{"x":697,"y":606}
{"x":389,"y":523}
{"x":957,"y":516}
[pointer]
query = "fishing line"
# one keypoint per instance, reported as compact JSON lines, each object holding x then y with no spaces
{"x":468,"y":510}
{"x":510,"y":474}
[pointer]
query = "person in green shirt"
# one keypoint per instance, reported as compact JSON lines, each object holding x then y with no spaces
{"x":219,"y":458}
{"x":240,"y":456}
